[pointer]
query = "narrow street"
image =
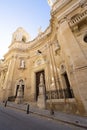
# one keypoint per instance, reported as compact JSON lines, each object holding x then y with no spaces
{"x":11,"y":119}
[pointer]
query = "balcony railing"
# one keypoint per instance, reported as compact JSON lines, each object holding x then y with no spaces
{"x":59,"y":94}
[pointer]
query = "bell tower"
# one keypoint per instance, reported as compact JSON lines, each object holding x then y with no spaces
{"x":20,"y":35}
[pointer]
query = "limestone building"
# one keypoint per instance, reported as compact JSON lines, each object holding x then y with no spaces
{"x":52,"y":68}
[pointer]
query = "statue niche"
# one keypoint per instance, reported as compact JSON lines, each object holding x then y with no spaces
{"x":22,"y":64}
{"x":19,"y":93}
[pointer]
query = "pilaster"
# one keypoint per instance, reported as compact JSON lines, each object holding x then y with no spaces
{"x":9,"y":76}
{"x":73,"y":52}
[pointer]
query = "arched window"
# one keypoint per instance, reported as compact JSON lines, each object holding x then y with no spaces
{"x":24,"y":39}
{"x":17,"y":87}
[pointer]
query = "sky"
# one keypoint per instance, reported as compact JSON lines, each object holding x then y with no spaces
{"x":29,"y":14}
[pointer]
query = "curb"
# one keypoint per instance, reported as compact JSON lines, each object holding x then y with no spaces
{"x":50,"y":117}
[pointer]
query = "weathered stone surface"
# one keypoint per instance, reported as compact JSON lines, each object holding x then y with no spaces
{"x":59,"y":53}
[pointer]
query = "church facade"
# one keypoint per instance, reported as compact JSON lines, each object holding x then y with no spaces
{"x":51,"y":70}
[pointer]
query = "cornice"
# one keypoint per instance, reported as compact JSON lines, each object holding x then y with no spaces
{"x":68,"y":11}
{"x":40,"y":37}
{"x":59,"y":5}
{"x":77,"y":18}
{"x":20,"y":46}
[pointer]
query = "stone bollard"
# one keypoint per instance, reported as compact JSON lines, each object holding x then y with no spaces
{"x":28,"y":107}
{"x":6,"y":103}
{"x":51,"y":112}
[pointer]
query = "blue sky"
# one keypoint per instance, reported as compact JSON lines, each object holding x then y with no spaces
{"x":29,"y":14}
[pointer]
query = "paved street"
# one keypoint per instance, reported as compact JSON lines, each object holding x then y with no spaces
{"x":18,"y":120}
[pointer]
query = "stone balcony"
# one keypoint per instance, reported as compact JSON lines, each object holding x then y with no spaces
{"x":78,"y":18}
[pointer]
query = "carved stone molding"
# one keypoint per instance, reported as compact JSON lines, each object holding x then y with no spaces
{"x":83,"y":3}
{"x":70,"y":9}
{"x":60,"y":4}
{"x":42,"y":35}
{"x":62,"y":68}
{"x":19,"y":46}
{"x":39,"y":61}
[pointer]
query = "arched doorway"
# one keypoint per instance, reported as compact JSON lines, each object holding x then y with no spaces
{"x":17,"y":87}
{"x":68,"y":91}
{"x":66,"y":87}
